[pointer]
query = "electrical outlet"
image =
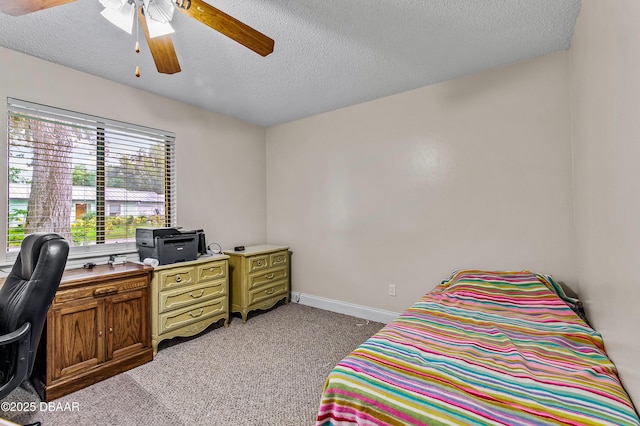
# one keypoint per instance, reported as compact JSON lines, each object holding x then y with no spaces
{"x":392,"y":289}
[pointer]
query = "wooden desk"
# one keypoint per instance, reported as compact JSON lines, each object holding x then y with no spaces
{"x":97,"y":327}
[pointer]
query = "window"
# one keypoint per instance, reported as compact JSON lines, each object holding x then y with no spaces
{"x":90,"y":179}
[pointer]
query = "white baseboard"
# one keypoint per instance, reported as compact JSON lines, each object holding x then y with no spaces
{"x":359,"y":311}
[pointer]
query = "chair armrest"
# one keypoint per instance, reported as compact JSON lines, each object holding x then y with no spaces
{"x":16,"y":335}
{"x":21,"y":369}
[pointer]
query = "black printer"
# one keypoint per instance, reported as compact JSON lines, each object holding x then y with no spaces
{"x":168,"y":245}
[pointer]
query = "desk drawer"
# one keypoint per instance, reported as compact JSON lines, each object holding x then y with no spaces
{"x":181,"y":297}
{"x":106,"y":288}
{"x":181,"y":317}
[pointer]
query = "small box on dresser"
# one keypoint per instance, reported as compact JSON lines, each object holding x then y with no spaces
{"x":259,"y":277}
{"x":187,"y":297}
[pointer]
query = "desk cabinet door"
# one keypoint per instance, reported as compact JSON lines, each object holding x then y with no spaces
{"x":127,"y":330}
{"x":79,"y":334}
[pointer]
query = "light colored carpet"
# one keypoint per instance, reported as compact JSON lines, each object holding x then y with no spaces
{"x":269,"y":371}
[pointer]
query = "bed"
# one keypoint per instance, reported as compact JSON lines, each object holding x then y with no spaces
{"x":482,"y":348}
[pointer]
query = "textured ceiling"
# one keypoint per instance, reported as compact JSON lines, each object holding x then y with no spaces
{"x":328,"y":54}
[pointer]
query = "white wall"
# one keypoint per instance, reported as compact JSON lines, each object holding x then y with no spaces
{"x":470,"y":173}
{"x":606,"y":143}
{"x":210,"y":148}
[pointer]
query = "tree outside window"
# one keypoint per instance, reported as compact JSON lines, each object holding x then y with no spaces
{"x":91,"y":180}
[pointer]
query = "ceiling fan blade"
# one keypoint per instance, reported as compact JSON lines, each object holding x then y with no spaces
{"x":22,"y":7}
{"x":229,"y":26}
{"x":162,"y":50}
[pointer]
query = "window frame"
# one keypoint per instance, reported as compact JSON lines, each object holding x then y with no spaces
{"x":102,"y":126}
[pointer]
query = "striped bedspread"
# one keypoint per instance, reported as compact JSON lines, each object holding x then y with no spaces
{"x":483,"y":348}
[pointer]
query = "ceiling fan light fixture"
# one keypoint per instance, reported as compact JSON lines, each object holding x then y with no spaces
{"x":113,"y":4}
{"x":122,"y":18}
{"x":157,"y":29}
{"x":158,"y":10}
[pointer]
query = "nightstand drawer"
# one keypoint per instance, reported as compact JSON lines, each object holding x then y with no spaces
{"x":280,"y":258}
{"x":258,"y":263}
{"x":181,"y":317}
{"x":180,"y":297}
{"x":267,"y":277}
{"x":262,"y":293}
{"x":211,"y":271}
{"x":176,"y":277}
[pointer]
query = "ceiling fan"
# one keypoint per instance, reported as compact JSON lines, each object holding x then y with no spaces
{"x":154,"y":16}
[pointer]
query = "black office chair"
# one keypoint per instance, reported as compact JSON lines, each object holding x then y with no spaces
{"x":25,"y":298}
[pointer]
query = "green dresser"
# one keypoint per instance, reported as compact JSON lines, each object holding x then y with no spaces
{"x":259,"y":277}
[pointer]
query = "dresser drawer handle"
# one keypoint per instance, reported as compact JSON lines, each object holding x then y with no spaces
{"x":279,"y":259}
{"x":212,"y":269}
{"x":104,"y":291}
{"x":269,"y":276}
{"x":194,"y":296}
{"x":270,"y":290}
{"x":178,"y":278}
{"x":198,"y":314}
{"x":259,"y":262}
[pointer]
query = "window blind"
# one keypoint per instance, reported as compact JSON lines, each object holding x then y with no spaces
{"x":91,"y":179}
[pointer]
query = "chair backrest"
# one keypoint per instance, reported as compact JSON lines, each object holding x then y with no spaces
{"x":31,"y":285}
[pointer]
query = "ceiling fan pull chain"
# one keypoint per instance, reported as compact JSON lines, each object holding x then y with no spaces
{"x":137,"y":36}
{"x":137,"y":45}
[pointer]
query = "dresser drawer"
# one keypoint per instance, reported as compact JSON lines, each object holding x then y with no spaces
{"x":268,"y":260}
{"x":181,"y":317}
{"x":211,"y":271}
{"x":280,"y":258}
{"x":267,"y":277}
{"x":262,"y":293}
{"x":258,"y":263}
{"x":176,"y":277}
{"x":185,"y":296}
